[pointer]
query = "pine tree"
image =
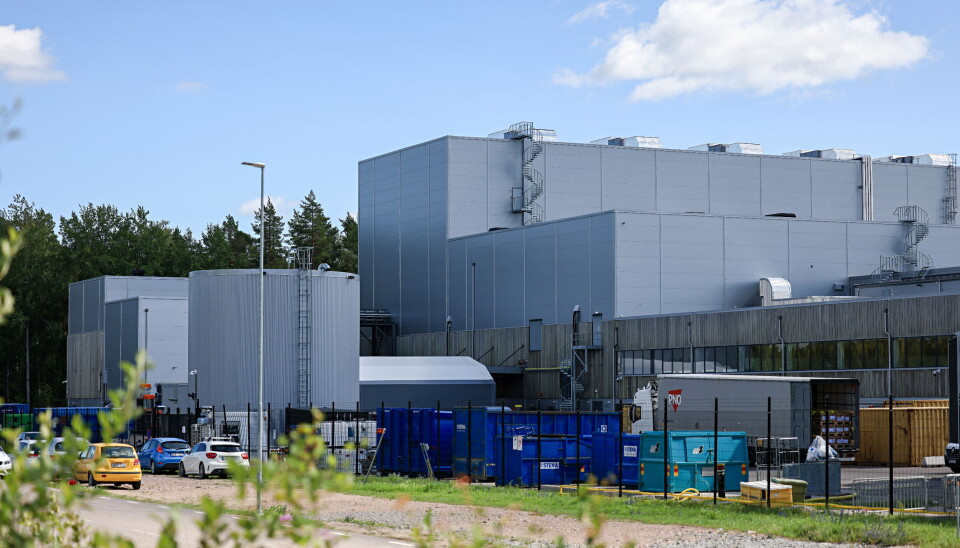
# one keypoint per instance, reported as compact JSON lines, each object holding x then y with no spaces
{"x":226,"y":246}
{"x":347,"y":248}
{"x":274,"y":253}
{"x":310,"y":227}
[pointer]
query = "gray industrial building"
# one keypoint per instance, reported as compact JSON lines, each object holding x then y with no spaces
{"x":311,"y":337}
{"x":554,"y":263}
{"x":110,"y":319}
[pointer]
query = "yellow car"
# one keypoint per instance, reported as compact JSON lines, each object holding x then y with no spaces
{"x":115,"y":463}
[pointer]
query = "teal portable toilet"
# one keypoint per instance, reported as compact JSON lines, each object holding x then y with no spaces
{"x":690,"y":460}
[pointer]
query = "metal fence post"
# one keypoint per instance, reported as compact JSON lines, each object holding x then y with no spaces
{"x":620,"y":455}
{"x":502,"y":469}
{"x":578,"y":446}
{"x":890,"y":450}
{"x":249,"y":432}
{"x":269,"y":422}
{"x":409,"y":433}
{"x":382,"y":419}
{"x":356,"y":440}
{"x":666,"y":470}
{"x":769,"y":458}
{"x":470,"y":439}
{"x":826,"y":459}
{"x":539,"y":444}
{"x":716,"y":447}
{"x":438,"y":440}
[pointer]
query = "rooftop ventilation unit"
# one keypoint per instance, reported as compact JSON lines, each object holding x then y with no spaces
{"x":637,"y":141}
{"x":827,"y":153}
{"x":549,"y":135}
{"x":922,"y":159}
{"x":734,"y":148}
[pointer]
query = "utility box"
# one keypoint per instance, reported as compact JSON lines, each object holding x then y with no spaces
{"x":803,"y":407}
{"x":689,"y":460}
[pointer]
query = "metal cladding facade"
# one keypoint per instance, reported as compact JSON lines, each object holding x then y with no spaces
{"x":627,"y":231}
{"x":224,"y":327}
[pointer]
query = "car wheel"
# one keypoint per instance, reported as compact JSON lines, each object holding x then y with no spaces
{"x":203,"y":473}
{"x":181,"y":471}
{"x":90,"y":481}
{"x":135,"y":485}
{"x":153,"y":467}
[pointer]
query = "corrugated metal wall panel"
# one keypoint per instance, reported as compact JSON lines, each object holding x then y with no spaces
{"x":224,"y":332}
{"x":84,"y":363}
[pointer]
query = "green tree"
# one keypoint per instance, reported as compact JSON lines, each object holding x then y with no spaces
{"x":310,"y":227}
{"x":36,"y":280}
{"x":226,"y":246}
{"x":274,"y":254}
{"x":348,"y":243}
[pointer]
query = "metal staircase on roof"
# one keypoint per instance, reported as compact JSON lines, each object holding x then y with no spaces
{"x":913,"y":260}
{"x":527,"y":199}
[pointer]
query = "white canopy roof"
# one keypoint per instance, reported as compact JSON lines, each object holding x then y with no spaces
{"x":422,"y":370}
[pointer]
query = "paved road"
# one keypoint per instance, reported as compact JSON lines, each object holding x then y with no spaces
{"x":142,"y":523}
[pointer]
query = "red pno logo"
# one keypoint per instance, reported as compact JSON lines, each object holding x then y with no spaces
{"x":673,"y":396}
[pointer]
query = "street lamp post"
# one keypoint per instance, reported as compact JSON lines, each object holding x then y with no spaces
{"x":263,"y":232}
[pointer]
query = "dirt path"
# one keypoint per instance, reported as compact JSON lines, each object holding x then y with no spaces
{"x":397,"y":519}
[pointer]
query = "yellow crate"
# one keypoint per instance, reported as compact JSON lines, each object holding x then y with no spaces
{"x":756,"y":491}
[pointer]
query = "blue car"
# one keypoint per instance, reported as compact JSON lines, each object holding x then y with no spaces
{"x":162,"y":454}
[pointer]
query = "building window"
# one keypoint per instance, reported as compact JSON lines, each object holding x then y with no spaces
{"x":536,"y":335}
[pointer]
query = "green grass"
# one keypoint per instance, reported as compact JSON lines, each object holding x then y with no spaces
{"x":797,"y":523}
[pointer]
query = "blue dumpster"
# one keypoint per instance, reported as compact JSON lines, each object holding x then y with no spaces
{"x":605,"y":459}
{"x":559,"y":460}
{"x":477,"y":429}
{"x":400,"y":433}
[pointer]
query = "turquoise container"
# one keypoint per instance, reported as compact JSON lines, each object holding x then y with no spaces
{"x":690,"y":459}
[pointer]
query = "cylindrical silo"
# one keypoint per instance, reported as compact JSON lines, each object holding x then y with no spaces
{"x":311,"y":338}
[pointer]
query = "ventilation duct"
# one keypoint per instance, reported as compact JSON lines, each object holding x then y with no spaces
{"x":733,"y":148}
{"x":637,"y":142}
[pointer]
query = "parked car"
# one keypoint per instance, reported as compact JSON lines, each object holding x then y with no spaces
{"x":115,"y":463}
{"x":212,"y":457}
{"x":57,"y":446}
{"x":36,"y":436}
{"x":6,"y":463}
{"x":30,"y":450}
{"x":162,"y":454}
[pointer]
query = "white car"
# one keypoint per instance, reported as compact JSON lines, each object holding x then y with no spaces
{"x":6,"y":463}
{"x":29,"y":449}
{"x":28,"y":436}
{"x":212,"y":457}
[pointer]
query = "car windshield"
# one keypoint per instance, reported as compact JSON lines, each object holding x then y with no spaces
{"x":175,"y":445}
{"x":118,"y":452}
{"x":225,"y":448}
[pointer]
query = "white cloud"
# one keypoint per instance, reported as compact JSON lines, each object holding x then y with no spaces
{"x":600,"y":10}
{"x":191,"y":86}
{"x":22,"y":58}
{"x":750,"y":45}
{"x":282,"y":205}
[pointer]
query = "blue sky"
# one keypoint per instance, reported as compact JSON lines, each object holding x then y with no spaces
{"x":156,"y":104}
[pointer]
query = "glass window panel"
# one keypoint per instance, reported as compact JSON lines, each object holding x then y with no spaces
{"x":699,"y":366}
{"x":852,"y":354}
{"x":913,"y":354}
{"x":736,"y":357}
{"x":687,"y":363}
{"x":791,"y":357}
{"x":657,"y":361}
{"x":766,"y":356}
{"x":803,"y":357}
{"x":710,"y":359}
{"x":899,"y":353}
{"x":931,"y":352}
{"x":828,"y":355}
{"x":647,"y":366}
{"x":871,"y":353}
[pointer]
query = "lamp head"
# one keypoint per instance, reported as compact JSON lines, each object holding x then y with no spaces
{"x":254,"y":164}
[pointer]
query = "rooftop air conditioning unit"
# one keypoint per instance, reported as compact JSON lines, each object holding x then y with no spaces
{"x":735,"y":148}
{"x":637,"y":142}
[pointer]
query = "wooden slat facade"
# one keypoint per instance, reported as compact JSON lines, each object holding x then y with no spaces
{"x":832,"y":321}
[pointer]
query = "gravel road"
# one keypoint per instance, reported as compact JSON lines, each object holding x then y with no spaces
{"x":397,"y":519}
